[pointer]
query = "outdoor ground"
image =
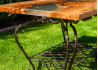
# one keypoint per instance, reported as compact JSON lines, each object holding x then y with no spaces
{"x":39,"y":37}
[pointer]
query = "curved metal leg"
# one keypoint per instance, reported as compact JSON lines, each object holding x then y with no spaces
{"x":21,"y":48}
{"x":63,"y":30}
{"x":75,"y":50}
{"x":67,"y":41}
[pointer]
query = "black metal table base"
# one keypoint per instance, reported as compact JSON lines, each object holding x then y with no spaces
{"x":65,"y":54}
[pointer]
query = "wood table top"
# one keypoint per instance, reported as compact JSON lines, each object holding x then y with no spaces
{"x":53,"y":8}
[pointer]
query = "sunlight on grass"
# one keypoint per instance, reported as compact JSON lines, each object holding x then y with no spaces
{"x":38,"y":37}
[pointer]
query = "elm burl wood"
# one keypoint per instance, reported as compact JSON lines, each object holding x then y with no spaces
{"x":67,"y":12}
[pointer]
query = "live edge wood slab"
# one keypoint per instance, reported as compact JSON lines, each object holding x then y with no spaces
{"x":67,"y":10}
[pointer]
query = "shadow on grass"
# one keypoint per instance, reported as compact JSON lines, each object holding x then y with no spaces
{"x":87,"y":39}
{"x":84,"y":66}
{"x":38,"y":26}
{"x":39,"y":66}
{"x":30,"y":27}
{"x":90,"y":64}
{"x":35,"y":26}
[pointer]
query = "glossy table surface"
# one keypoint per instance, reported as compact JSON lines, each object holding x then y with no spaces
{"x":53,"y":8}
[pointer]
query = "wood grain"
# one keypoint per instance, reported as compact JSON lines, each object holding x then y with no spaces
{"x":76,"y":4}
{"x":69,"y":10}
{"x":75,"y":10}
{"x":16,"y":7}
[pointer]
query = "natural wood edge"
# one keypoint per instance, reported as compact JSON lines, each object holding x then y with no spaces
{"x":11,"y":10}
{"x":63,"y":15}
{"x":87,"y":14}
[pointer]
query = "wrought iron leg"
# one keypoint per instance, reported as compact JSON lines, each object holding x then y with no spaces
{"x":21,"y":48}
{"x":75,"y":50}
{"x":67,"y":41}
{"x":63,"y":30}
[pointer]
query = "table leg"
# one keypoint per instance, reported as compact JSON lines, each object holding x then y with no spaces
{"x":63,"y":30}
{"x":75,"y":50}
{"x":21,"y":48}
{"x":67,"y":41}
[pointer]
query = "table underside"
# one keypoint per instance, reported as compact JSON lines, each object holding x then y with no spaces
{"x":67,"y":10}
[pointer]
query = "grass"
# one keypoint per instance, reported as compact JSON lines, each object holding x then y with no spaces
{"x":39,"y":37}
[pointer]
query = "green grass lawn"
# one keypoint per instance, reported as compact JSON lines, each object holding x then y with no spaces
{"x":38,"y":37}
